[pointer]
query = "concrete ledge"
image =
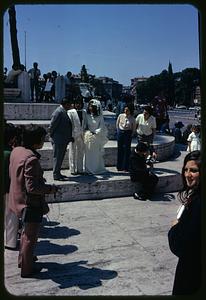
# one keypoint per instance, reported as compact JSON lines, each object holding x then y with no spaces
{"x":13,"y":92}
{"x":109,"y":122}
{"x":114,"y":184}
{"x":28,"y":111}
{"x":164,"y":151}
{"x":33,"y":111}
{"x":163,"y":144}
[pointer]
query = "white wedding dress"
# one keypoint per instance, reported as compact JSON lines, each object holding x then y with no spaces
{"x":95,"y":137}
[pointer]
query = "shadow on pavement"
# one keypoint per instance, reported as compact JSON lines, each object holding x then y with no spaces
{"x":74,"y":274}
{"x":57,"y":232}
{"x":49,"y":223}
{"x":160,"y":171}
{"x":91,"y":178}
{"x":163,"y":197}
{"x":46,"y":248}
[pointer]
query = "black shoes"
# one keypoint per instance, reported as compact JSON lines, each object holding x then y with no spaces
{"x":11,"y":248}
{"x":35,"y":271}
{"x":35,"y":258}
{"x":139,"y":197}
{"x":79,"y":173}
{"x":61,"y":177}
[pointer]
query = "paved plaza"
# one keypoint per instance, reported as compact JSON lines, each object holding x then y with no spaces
{"x":114,"y":246}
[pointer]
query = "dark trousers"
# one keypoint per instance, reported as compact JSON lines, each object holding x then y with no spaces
{"x":187,"y":276}
{"x":28,"y":242}
{"x":146,"y":186}
{"x":34,"y":84}
{"x":59,"y":151}
{"x":124,"y":139}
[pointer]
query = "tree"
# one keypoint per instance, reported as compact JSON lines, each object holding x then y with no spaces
{"x":190,"y":78}
{"x":171,"y":86}
{"x":177,"y":88}
{"x":13,"y":35}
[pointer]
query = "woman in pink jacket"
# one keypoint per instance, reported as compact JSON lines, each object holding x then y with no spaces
{"x":27,"y":194}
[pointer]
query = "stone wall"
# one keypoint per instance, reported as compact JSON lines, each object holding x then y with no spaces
{"x":40,"y":114}
{"x":28,"y":111}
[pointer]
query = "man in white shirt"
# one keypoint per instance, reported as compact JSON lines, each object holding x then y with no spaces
{"x":146,"y":128}
{"x":77,"y":148}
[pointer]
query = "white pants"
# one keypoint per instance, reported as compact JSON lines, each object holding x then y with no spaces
{"x":11,"y":226}
{"x":76,"y":155}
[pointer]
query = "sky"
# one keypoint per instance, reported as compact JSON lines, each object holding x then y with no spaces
{"x":118,"y":41}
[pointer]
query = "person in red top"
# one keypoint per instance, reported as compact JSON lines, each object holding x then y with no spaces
{"x":27,"y":194}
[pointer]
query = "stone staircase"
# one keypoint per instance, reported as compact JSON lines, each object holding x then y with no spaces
{"x":11,"y":94}
{"x":112,"y":183}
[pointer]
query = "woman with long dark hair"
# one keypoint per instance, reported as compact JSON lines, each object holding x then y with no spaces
{"x":185,"y":235}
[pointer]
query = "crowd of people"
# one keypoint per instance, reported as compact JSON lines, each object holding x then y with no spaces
{"x":84,"y":131}
{"x":50,"y":87}
{"x":189,"y":137}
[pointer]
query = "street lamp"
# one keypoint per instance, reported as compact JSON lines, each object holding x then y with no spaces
{"x":25,"y":49}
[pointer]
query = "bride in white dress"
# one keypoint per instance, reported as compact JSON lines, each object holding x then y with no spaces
{"x":95,"y":137}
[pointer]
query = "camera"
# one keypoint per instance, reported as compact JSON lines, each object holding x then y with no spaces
{"x":150,"y":160}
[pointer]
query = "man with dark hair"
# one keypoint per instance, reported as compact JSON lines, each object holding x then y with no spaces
{"x":11,"y":79}
{"x":33,"y":135}
{"x":27,"y":195}
{"x":60,"y":130}
{"x":34,"y":74}
{"x":77,"y":148}
{"x":144,"y":179}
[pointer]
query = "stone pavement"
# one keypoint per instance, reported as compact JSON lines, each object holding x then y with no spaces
{"x":112,"y":246}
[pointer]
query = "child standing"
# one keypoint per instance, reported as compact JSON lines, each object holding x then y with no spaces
{"x":194,"y":139}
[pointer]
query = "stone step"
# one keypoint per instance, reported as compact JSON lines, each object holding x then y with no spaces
{"x":11,"y":93}
{"x":34,"y":111}
{"x":113,"y":183}
{"x":29,"y":111}
{"x":164,"y":146}
{"x":110,"y":123}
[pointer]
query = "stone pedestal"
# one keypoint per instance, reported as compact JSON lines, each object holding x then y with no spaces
{"x":60,"y":88}
{"x":24,"y":85}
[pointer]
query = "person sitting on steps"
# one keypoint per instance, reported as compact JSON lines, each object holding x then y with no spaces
{"x":143,"y":177}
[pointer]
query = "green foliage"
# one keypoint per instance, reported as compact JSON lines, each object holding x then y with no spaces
{"x":176,"y":88}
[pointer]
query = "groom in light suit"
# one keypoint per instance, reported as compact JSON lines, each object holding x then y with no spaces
{"x":77,"y":149}
{"x":60,"y":130}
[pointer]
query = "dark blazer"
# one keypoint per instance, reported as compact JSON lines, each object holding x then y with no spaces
{"x":7,"y":152}
{"x":27,"y":185}
{"x":60,"y":128}
{"x":185,"y":242}
{"x":138,"y":168}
